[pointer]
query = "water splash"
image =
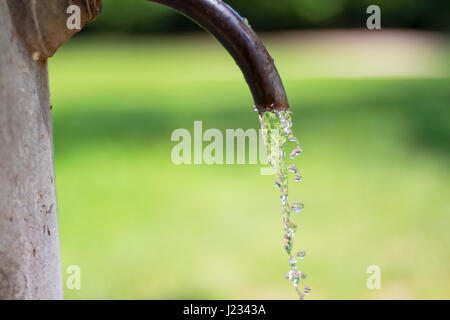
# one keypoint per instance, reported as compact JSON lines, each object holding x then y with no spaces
{"x":277,"y":133}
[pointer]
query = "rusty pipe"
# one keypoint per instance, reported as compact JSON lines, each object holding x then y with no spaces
{"x":42,"y":26}
{"x":236,"y":35}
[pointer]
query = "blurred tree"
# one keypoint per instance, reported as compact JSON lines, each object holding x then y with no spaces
{"x":139,"y":16}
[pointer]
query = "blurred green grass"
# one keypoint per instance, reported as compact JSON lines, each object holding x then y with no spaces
{"x":376,"y":179}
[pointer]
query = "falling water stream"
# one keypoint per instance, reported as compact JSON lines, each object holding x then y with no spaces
{"x":278,"y":136}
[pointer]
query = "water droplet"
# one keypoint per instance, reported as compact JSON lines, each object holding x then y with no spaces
{"x":288,"y":244}
{"x":307,"y":290}
{"x":295,"y":278}
{"x":292,"y":168}
{"x":296,"y":152}
{"x":291,"y":229}
{"x":289,"y":235}
{"x":290,"y":224}
{"x":301,"y":254}
{"x":292,"y":263}
{"x":298,"y":177}
{"x":297,"y":206}
{"x":285,"y":210}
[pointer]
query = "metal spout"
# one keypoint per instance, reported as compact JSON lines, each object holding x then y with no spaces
{"x":258,"y":67}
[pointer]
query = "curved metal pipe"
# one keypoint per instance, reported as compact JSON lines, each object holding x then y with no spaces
{"x":243,"y":44}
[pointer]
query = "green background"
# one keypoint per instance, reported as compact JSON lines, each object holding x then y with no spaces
{"x":375,"y":167}
{"x":140,"y":16}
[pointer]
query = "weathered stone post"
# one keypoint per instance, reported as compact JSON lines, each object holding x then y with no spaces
{"x":30,"y":32}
